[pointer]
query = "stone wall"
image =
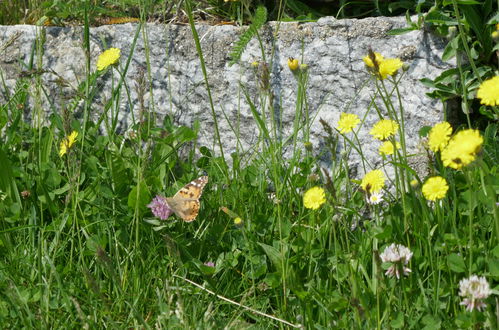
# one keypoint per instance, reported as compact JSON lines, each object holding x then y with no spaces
{"x":332,"y":49}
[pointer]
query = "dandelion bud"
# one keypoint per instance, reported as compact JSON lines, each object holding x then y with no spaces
{"x":293,"y":64}
{"x":308,"y":146}
{"x":238,"y":222}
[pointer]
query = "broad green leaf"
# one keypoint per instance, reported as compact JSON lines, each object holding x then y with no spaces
{"x":456,"y":263}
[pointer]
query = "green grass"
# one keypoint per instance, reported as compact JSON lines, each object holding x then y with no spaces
{"x":80,"y":248}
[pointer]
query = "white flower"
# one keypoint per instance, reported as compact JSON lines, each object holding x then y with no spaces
{"x":399,"y":255}
{"x":375,"y":198}
{"x":474,"y":289}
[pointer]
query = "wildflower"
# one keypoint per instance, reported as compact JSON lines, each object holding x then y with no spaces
{"x":67,"y":142}
{"x":495,"y":34}
{"x":293,"y":64}
{"x":209,"y":264}
{"x":462,"y":149}
{"x":475,"y":289}
{"x":25,"y":194}
{"x":160,"y":208}
{"x":377,"y":57}
{"x":238,"y":222}
{"x":273,"y":198}
{"x":255,"y":64}
{"x":109,"y":57}
{"x":373,"y":181}
{"x":387,"y":148}
{"x":375,"y":198}
{"x":347,"y":122}
{"x":488,"y":92}
{"x":383,"y":129}
{"x":383,"y":67}
{"x":414,"y":183}
{"x":399,"y":256}
{"x":389,"y":67}
{"x":314,"y":198}
{"x":435,"y":188}
{"x":308,"y":146}
{"x":439,"y":136}
{"x":131,"y":134}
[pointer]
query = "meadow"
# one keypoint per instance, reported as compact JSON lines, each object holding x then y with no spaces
{"x":143,"y":228}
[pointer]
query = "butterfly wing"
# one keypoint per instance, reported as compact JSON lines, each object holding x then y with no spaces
{"x":185,"y":203}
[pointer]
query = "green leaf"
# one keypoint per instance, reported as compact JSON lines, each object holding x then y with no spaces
{"x":274,"y":255}
{"x":259,"y":19}
{"x":398,"y":321}
{"x":456,"y":263}
{"x":438,"y":17}
{"x":7,"y":180}
{"x":139,"y":197}
{"x":424,"y":131}
{"x":494,"y":267}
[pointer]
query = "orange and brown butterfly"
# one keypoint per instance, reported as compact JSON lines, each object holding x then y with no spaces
{"x":185,"y":203}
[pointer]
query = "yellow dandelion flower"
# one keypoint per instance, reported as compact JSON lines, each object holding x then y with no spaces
{"x":414,"y":183}
{"x":377,"y":57}
{"x":462,"y":149}
{"x":238,"y":222}
{"x":373,"y":181}
{"x":109,"y":57}
{"x":435,"y":188}
{"x":389,"y":67}
{"x":293,"y":64}
{"x":67,"y":142}
{"x":314,"y":198}
{"x":439,"y":136}
{"x":488,"y":92}
{"x":383,"y":129}
{"x":387,"y":148}
{"x":347,"y":122}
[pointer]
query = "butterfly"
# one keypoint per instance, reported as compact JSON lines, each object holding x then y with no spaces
{"x":185,"y":203}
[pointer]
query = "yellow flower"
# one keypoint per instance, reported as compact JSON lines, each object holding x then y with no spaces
{"x":462,"y":149}
{"x":439,"y":136}
{"x":385,"y":66}
{"x":107,"y":58}
{"x":389,"y":67}
{"x":383,"y":129}
{"x":293,"y":64}
{"x":414,"y":183}
{"x":377,"y":57}
{"x":387,"y":148}
{"x":238,"y":222}
{"x":488,"y":92}
{"x":314,"y":198}
{"x":255,"y":64}
{"x":67,"y":142}
{"x":373,"y":181}
{"x":347,"y":122}
{"x":435,"y":188}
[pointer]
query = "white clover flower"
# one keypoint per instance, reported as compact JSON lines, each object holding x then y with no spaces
{"x":475,"y":289}
{"x":375,"y":198}
{"x":398,"y":255}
